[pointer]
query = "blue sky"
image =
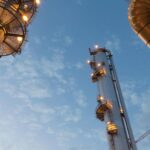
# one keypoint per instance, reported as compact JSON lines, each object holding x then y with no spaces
{"x":47,"y":99}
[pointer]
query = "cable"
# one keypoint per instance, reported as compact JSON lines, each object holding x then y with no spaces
{"x":143,"y":136}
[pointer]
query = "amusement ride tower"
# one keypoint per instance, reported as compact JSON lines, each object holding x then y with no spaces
{"x":111,"y":107}
{"x":15,"y":16}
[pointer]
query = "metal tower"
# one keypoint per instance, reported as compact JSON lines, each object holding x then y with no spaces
{"x":111,"y":107}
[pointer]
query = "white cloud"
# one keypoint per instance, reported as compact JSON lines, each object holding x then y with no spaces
{"x":129,"y":93}
{"x":36,"y":93}
{"x":42,"y":108}
{"x":69,"y":139}
{"x":79,"y":65}
{"x":113,"y":43}
{"x":68,"y":114}
{"x":139,"y":103}
{"x":62,"y":39}
{"x":80,"y":99}
{"x":53,"y":68}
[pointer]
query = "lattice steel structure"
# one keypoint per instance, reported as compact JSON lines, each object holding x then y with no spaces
{"x":15,"y":16}
{"x":111,"y":108}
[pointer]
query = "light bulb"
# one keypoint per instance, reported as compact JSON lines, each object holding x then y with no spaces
{"x":25,"y":18}
{"x":37,"y":2}
{"x":19,"y":38}
{"x":99,"y":64}
{"x":88,"y":61}
{"x":96,"y":46}
{"x":92,"y":74}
